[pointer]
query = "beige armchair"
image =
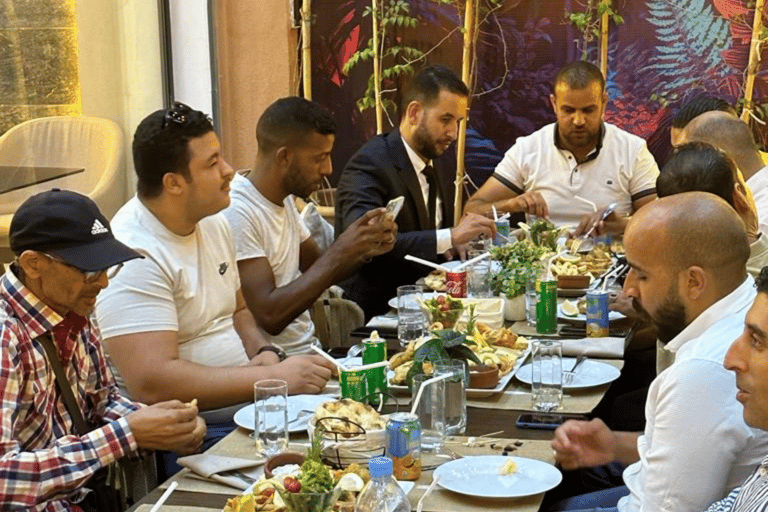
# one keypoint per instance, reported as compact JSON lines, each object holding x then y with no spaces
{"x":93,"y":144}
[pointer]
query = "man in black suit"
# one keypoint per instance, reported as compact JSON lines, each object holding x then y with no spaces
{"x":405,"y":162}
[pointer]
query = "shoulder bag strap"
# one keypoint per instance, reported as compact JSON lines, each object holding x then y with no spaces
{"x":63,"y":384}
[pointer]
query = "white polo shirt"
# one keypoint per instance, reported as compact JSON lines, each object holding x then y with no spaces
{"x":620,"y":169}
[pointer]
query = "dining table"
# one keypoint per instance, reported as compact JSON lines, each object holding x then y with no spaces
{"x":490,"y":430}
{"x":15,"y":177}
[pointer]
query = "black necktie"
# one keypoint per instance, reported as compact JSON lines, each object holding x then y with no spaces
{"x":431,"y":175}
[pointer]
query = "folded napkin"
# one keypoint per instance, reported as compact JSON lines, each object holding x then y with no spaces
{"x":231,"y":471}
{"x":608,"y":348}
{"x":388,"y":321}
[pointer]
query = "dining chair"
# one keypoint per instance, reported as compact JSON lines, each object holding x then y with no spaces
{"x":79,"y":142}
{"x":334,"y":320}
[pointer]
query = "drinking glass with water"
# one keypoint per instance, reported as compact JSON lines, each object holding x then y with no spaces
{"x":271,"y":416}
{"x":547,"y":375}
{"x":411,"y":322}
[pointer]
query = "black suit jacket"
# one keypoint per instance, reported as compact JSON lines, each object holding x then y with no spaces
{"x":378,"y":172}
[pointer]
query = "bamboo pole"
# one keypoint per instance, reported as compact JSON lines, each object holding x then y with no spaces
{"x":754,"y":60}
{"x":306,"y":48}
{"x":376,"y":67}
{"x":466,"y":70}
{"x":604,"y":43}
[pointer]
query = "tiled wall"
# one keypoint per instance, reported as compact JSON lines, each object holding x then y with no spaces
{"x":38,"y":60}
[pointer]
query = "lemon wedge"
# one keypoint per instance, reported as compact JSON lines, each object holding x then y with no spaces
{"x":351,"y":482}
{"x":569,"y":308}
{"x":569,"y":257}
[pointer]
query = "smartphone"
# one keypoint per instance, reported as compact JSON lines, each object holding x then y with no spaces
{"x":545,"y":421}
{"x":394,"y":207}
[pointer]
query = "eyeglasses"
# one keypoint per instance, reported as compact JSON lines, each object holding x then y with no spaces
{"x":89,"y":276}
{"x":176,"y":114}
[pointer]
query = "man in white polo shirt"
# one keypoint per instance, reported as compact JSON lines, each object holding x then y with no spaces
{"x":571,"y":170}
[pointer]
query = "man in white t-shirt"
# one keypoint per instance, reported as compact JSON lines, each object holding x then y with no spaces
{"x":570,"y":171}
{"x":688,"y":275}
{"x":175,"y":324}
{"x":282,"y":270}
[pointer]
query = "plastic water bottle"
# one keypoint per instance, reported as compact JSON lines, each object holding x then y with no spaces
{"x":382,"y":493}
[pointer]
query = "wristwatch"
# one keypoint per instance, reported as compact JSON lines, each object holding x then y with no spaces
{"x":271,"y":348}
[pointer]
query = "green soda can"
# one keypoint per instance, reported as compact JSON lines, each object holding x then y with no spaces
{"x":546,"y":307}
{"x":374,"y":351}
{"x":353,"y":384}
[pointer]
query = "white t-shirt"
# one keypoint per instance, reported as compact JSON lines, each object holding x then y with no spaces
{"x":758,"y":184}
{"x":263,"y":229}
{"x":185,"y":284}
{"x":696,"y":446}
{"x":622,"y":170}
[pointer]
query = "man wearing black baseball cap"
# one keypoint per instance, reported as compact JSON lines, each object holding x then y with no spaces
{"x":65,"y":254}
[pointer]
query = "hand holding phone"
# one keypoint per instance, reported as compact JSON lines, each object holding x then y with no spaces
{"x":393,"y":207}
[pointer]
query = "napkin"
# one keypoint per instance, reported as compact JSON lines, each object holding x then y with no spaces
{"x":607,"y":348}
{"x":388,"y":321}
{"x":217,"y":467}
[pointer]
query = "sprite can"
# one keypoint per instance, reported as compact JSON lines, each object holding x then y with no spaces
{"x":597,"y":314}
{"x":374,"y":351}
{"x":546,"y":307}
{"x":353,"y":384}
{"x":404,"y":445}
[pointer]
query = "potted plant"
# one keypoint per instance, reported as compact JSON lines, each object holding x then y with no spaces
{"x":518,"y":261}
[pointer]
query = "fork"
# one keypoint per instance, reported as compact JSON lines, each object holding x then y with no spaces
{"x":577,"y":243}
{"x":569,"y":375}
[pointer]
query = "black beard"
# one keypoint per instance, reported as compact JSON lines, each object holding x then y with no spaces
{"x":424,"y":146}
{"x":669,"y":320}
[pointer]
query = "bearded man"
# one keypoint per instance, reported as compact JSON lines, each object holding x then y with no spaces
{"x":688,"y":276}
{"x":282,"y":270}
{"x":406,"y":162}
{"x":571,"y":170}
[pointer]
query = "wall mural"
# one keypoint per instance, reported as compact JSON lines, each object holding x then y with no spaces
{"x":664,"y":53}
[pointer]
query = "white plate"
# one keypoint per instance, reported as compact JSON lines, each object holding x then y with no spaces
{"x":478,"y":392}
{"x":581,"y":317}
{"x":245,"y":417}
{"x":479,"y":476}
{"x":426,"y":296}
{"x":589,"y":373}
{"x":571,"y":292}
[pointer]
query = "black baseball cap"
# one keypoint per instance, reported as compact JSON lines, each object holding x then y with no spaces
{"x":70,"y":226}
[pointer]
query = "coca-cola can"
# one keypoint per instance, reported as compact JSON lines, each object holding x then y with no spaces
{"x":456,"y":284}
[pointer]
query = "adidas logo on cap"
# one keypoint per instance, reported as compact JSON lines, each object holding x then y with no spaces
{"x":98,"y":228}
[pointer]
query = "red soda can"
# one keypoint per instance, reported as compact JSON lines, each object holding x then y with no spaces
{"x":456,"y":284}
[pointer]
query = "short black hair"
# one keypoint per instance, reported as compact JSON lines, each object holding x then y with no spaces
{"x":426,"y":84}
{"x":161,"y":145}
{"x":697,"y":106}
{"x":579,"y":75}
{"x":698,"y":167}
{"x":761,"y":282}
{"x":289,"y":120}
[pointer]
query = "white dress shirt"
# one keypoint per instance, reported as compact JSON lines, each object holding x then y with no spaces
{"x":443,"y":235}
{"x":696,"y":446}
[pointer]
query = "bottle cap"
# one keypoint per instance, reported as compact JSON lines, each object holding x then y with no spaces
{"x":380,"y":466}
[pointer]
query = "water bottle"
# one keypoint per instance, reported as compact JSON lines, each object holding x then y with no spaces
{"x":382,"y":493}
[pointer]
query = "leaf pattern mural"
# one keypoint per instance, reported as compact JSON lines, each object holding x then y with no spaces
{"x":666,"y":52}
{"x":690,"y":39}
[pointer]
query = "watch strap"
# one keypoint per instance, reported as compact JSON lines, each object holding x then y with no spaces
{"x":271,"y":348}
